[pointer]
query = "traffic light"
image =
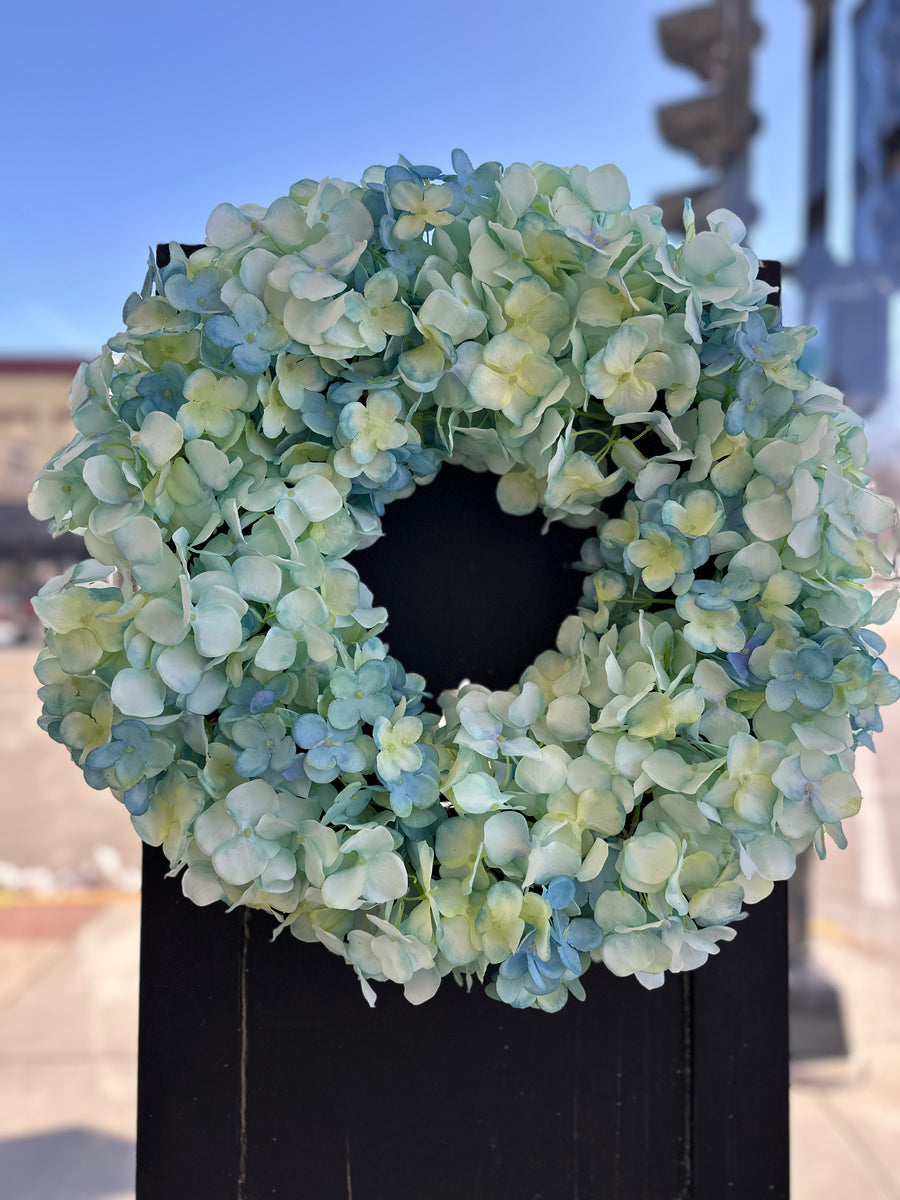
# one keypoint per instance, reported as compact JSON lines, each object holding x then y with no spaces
{"x":715,"y":41}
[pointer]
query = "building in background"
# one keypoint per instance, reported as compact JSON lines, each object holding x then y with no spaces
{"x":34,"y":423}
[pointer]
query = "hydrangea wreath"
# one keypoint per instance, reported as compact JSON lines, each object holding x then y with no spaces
{"x":219,"y":665}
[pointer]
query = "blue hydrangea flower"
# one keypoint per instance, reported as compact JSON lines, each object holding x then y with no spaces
{"x":534,"y":975}
{"x":330,"y":751}
{"x":560,"y":892}
{"x":410,"y":462}
{"x":739,"y":660}
{"x":250,"y":334}
{"x":712,"y":595}
{"x":800,"y":675}
{"x":377,"y":494}
{"x":815,"y":791}
{"x":251,"y":697}
{"x":404,"y":255}
{"x":474,"y":189}
{"x":200,"y":294}
{"x":416,"y":789}
{"x":157,"y":391}
{"x":570,"y":935}
{"x":759,"y":402}
{"x":540,"y":976}
{"x":264,"y":745}
{"x":322,"y":413}
{"x":407,"y":172}
{"x":349,"y":803}
{"x":128,"y":760}
{"x":360,"y":696}
{"x":776,"y":349}
{"x":864,"y":724}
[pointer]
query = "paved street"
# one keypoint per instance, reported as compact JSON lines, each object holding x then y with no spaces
{"x":69,"y":970}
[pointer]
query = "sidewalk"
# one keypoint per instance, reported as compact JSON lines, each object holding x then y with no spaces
{"x":845,"y":1113}
{"x":69,"y":913}
{"x":68,"y":1046}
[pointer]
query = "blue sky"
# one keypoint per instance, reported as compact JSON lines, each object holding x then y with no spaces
{"x":127,"y":124}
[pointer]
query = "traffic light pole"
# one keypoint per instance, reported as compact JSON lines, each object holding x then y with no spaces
{"x":715,"y":41}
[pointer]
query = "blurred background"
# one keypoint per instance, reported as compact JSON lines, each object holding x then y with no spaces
{"x":126,"y":125}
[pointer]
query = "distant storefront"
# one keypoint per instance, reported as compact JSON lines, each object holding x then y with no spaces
{"x":34,"y":422}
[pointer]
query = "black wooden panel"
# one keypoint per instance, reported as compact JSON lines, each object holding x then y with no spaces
{"x":740,"y":1062}
{"x":462,"y":1098}
{"x":189,"y":1043}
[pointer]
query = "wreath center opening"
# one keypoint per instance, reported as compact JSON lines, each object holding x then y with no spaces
{"x":471,"y":592}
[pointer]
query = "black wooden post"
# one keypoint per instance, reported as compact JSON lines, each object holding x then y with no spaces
{"x":263,"y":1073}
